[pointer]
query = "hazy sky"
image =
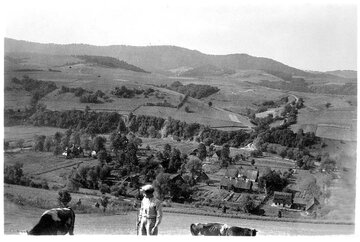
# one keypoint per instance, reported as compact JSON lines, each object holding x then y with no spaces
{"x":308,"y":36}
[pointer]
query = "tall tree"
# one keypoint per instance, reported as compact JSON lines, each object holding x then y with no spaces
{"x":194,"y":166}
{"x":202,"y":151}
{"x":118,"y":142}
{"x":161,"y":185}
{"x":99,"y":143}
{"x":175,"y":161}
{"x":225,"y":155}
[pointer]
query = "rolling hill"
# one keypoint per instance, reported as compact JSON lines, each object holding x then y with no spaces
{"x":344,"y":73}
{"x":157,"y":58}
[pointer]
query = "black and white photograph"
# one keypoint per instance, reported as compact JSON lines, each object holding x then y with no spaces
{"x":182,"y":118}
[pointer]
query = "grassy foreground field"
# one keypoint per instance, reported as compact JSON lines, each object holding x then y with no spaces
{"x":19,"y":217}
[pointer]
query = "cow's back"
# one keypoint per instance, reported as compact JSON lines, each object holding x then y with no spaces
{"x":211,"y":229}
{"x":57,"y":221}
{"x":238,"y":231}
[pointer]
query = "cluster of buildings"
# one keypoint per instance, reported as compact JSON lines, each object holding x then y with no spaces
{"x":239,"y":180}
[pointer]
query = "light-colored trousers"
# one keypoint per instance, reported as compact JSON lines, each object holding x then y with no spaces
{"x":146,"y":225}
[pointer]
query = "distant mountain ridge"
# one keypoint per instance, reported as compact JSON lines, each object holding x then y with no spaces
{"x":343,"y":73}
{"x":159,"y":58}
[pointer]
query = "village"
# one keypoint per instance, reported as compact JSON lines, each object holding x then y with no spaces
{"x":236,"y":189}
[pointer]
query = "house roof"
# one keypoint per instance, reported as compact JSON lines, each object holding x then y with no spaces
{"x":175,"y":176}
{"x":231,"y":173}
{"x":225,"y":182}
{"x":299,"y":200}
{"x":311,"y":203}
{"x":215,"y":156}
{"x":242,"y":184}
{"x":250,"y":174}
{"x":282,"y":197}
{"x":202,"y":176}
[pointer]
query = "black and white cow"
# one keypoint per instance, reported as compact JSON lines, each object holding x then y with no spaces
{"x":227,"y":230}
{"x":207,"y":229}
{"x":219,"y":229}
{"x":56,"y":221}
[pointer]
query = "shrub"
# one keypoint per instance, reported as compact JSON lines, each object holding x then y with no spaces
{"x":20,"y":143}
{"x":39,"y":142}
{"x":104,"y":188}
{"x":64,"y":197}
{"x":13,"y":174}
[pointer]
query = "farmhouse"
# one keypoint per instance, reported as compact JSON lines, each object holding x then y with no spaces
{"x":174,"y":178}
{"x":233,"y":179}
{"x":242,"y":185}
{"x":283,"y":199}
{"x":213,"y":158}
{"x":201,"y":177}
{"x":311,"y":205}
{"x":250,"y":174}
{"x":299,"y":203}
{"x":225,"y":183}
{"x":308,"y":205}
{"x":231,"y":173}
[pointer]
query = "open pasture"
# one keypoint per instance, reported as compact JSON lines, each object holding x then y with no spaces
{"x":17,"y":99}
{"x":27,"y":133}
{"x":45,"y":165}
{"x":331,"y":123}
{"x":158,"y":144}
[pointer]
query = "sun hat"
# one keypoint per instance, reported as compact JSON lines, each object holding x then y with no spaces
{"x":148,"y":188}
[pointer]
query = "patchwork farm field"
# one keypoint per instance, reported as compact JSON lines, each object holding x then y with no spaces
{"x":216,"y":120}
{"x":339,"y":124}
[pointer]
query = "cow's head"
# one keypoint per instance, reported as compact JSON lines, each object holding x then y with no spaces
{"x":195,"y":228}
{"x":223,"y":229}
{"x":253,"y":232}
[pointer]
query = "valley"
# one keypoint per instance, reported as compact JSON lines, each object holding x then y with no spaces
{"x":242,"y":119}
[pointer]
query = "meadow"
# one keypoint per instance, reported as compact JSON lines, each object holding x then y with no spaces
{"x":123,"y":222}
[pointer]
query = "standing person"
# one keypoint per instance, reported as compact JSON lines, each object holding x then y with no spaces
{"x":150,"y":213}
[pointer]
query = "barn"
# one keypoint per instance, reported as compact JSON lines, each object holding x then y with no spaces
{"x":282,"y":199}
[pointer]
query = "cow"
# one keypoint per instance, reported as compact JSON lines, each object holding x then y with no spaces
{"x":227,"y":230}
{"x":207,"y":229}
{"x":218,"y":229}
{"x":56,"y":221}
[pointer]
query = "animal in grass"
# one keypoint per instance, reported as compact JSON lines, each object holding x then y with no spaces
{"x":56,"y":221}
{"x":207,"y":229}
{"x":227,"y":230}
{"x":218,"y":229}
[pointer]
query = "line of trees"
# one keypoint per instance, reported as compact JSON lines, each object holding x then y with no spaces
{"x":194,"y":90}
{"x":92,"y":122}
{"x":86,"y":96}
{"x":124,"y":92}
{"x":149,"y":126}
